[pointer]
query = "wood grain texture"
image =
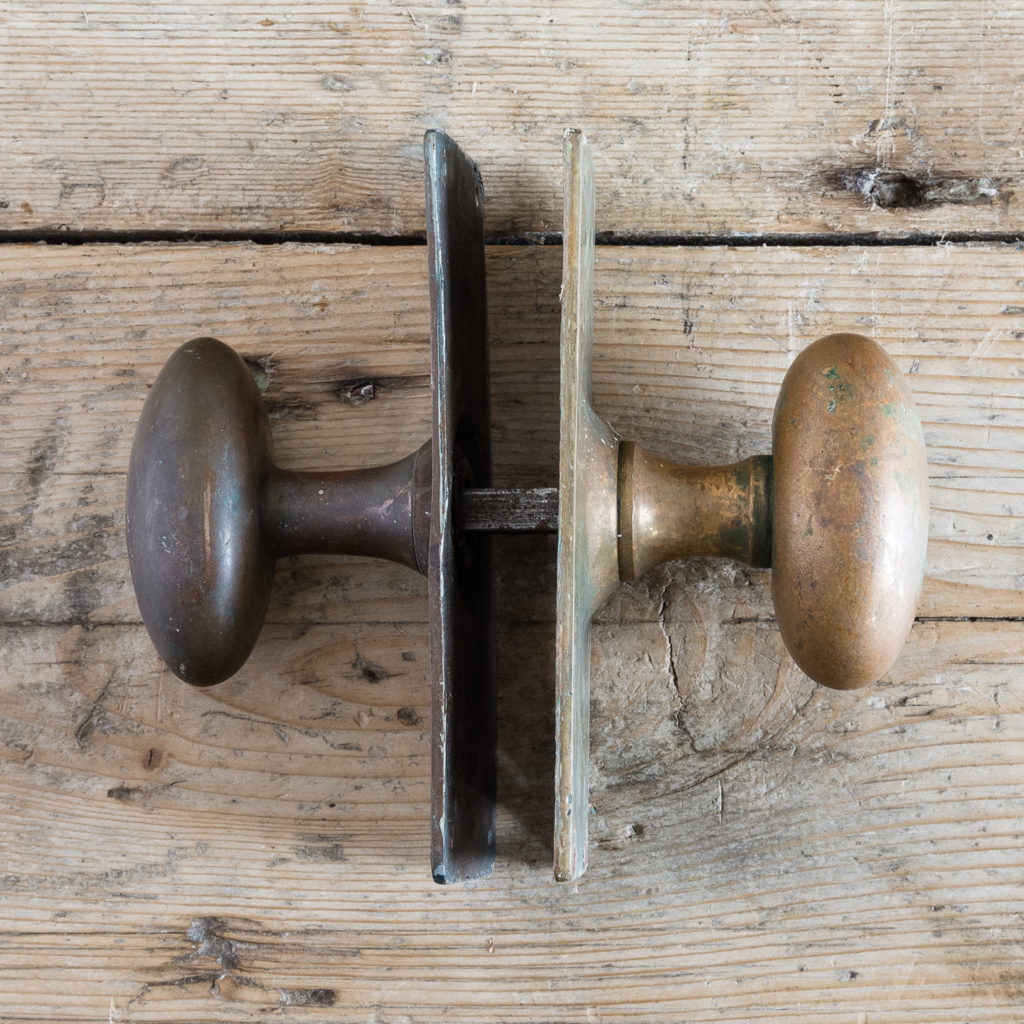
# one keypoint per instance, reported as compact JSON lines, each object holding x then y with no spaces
{"x":886,"y":116}
{"x":762,"y":849}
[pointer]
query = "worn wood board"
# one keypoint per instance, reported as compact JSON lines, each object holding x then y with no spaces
{"x":761,"y":849}
{"x":722,"y":116}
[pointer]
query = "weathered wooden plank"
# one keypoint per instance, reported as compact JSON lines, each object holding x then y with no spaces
{"x":692,"y":347}
{"x":786,"y":115}
{"x":791,"y":855}
{"x":761,"y":849}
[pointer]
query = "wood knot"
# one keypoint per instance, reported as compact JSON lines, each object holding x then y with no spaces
{"x":893,"y":190}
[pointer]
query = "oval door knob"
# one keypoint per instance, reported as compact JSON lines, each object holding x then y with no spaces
{"x":208,"y":513}
{"x":849,"y":511}
{"x":839,"y":510}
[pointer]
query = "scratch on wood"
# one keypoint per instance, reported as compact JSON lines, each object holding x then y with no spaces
{"x":95,"y":716}
{"x":670,"y":665}
{"x":282,"y":729}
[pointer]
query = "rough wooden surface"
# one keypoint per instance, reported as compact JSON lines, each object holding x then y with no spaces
{"x":718,"y":115}
{"x":761,"y":849}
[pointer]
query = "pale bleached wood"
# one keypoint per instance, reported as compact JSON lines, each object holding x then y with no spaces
{"x":846,"y":856}
{"x":710,"y":116}
{"x":761,"y":849}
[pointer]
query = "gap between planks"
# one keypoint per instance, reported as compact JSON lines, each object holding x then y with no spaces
{"x":693,"y":239}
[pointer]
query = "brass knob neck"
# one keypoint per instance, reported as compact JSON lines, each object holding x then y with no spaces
{"x":382,"y":512}
{"x":669,"y":511}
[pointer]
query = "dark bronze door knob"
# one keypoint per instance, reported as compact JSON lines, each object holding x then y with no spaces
{"x":208,"y":513}
{"x":839,"y":510}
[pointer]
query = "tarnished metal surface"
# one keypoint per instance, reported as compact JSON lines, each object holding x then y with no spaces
{"x":850,"y":511}
{"x":461,"y":604}
{"x":670,"y":511}
{"x":208,"y":512}
{"x":840,"y":511}
{"x":380,"y":512}
{"x":509,"y":510}
{"x":587,"y":548}
{"x":200,"y":564}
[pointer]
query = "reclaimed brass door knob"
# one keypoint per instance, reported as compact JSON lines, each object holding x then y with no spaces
{"x":208,"y":513}
{"x":839,"y":510}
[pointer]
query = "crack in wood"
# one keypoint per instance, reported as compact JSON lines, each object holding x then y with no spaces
{"x":690,"y":239}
